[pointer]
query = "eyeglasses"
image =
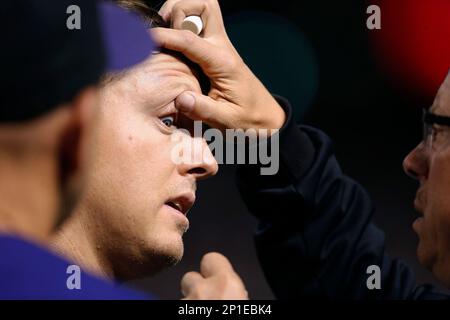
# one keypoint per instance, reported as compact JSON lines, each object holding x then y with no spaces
{"x":429,"y":131}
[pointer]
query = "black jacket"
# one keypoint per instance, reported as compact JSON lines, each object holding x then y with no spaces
{"x":315,"y":237}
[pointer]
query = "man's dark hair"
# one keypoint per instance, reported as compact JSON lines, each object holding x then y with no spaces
{"x":145,"y":10}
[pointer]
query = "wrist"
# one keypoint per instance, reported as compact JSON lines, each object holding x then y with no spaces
{"x":270,"y":113}
{"x":275,"y":114}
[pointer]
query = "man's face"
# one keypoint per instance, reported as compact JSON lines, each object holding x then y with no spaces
{"x":431,"y":166}
{"x":135,"y":186}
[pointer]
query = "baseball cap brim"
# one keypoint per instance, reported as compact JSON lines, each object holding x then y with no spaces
{"x":126,"y":39}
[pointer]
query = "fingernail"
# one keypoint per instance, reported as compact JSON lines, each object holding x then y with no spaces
{"x":185,"y":102}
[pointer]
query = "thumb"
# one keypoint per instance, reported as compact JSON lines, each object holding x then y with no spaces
{"x":200,"y":107}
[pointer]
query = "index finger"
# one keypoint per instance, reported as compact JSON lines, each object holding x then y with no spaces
{"x":215,"y":263}
{"x":166,"y":9}
{"x":196,"y":49}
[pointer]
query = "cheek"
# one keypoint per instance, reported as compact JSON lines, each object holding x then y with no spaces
{"x":437,"y":213}
{"x":135,"y":159}
{"x":147,"y":158}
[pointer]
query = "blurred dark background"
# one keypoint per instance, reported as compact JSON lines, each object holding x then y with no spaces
{"x":362,"y":87}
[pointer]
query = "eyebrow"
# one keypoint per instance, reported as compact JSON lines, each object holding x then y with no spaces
{"x":434,"y":106}
{"x":111,"y":77}
{"x":166,"y":108}
{"x":431,"y":118}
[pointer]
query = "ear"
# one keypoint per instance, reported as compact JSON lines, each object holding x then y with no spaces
{"x":74,"y":141}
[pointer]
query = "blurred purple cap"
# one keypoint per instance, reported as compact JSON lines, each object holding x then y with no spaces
{"x":126,"y":38}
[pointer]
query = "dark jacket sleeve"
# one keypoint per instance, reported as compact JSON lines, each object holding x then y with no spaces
{"x":315,"y":237}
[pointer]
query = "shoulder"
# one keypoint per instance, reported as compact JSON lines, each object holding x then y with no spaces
{"x":29,"y":271}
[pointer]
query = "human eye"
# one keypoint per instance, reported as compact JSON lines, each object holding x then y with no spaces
{"x":169,"y":121}
{"x":438,"y":134}
{"x":436,"y":131}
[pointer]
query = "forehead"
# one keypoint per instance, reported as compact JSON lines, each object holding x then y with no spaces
{"x":441,"y":104}
{"x":160,"y":78}
{"x":166,"y":64}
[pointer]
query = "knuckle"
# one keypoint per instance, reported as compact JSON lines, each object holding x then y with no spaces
{"x":210,"y":255}
{"x":188,"y":276}
{"x":211,"y":2}
{"x":188,"y":37}
{"x":176,"y":5}
{"x":207,"y":5}
{"x":231,"y":62}
{"x":256,"y":119}
{"x":207,"y":117}
{"x":224,"y":280}
{"x":178,"y":8}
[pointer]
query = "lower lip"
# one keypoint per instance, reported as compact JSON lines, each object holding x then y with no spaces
{"x":416,"y":224}
{"x":416,"y":205}
{"x":178,"y":213}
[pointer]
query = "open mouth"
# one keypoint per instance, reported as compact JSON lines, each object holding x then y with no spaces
{"x":417,"y":207}
{"x":181,"y":205}
{"x":176,"y":206}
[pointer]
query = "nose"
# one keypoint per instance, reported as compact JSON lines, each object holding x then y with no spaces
{"x":199,"y":162}
{"x":415,"y":163}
